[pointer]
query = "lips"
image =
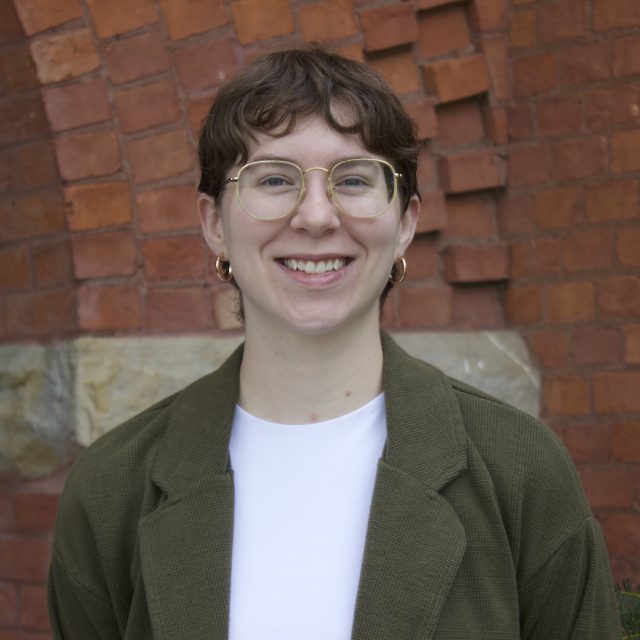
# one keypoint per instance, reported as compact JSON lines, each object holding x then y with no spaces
{"x":314,"y":266}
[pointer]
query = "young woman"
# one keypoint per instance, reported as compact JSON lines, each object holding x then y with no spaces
{"x":322,"y":484}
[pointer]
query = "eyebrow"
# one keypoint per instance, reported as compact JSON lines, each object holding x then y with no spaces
{"x":262,"y":157}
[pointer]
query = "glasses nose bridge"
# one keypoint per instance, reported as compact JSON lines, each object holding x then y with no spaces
{"x":327,"y":185}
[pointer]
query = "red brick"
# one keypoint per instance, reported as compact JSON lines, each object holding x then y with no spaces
{"x":530,"y":166}
{"x":422,"y":258}
{"x":596,"y":346}
{"x":471,"y":216}
{"x":40,"y":314}
{"x":426,"y":170}
{"x":114,"y":17}
{"x":38,"y":166}
{"x":77,"y":104}
{"x":557,"y":208}
{"x":561,"y":114}
{"x":616,"y":106}
{"x":167,"y":209}
{"x":476,"y":307}
{"x":160,"y":156}
{"x":8,"y":604}
{"x":619,"y":296}
{"x":261,"y":19}
{"x":33,"y":608}
{"x":425,"y":305}
{"x":424,"y":115}
{"x":520,"y":122}
{"x":488,"y":15}
{"x":587,"y":443}
{"x":460,"y":123}
{"x":64,"y":56}
{"x":625,"y":441}
{"x":626,"y":56}
{"x":535,"y":257}
{"x":36,"y":511}
{"x":187,"y":17}
{"x":24,"y":559}
{"x":616,"y":392}
{"x":608,"y":487}
{"x":472,"y":171}
{"x":587,"y":250}
{"x":566,"y":395}
{"x":569,"y":302}
{"x":615,"y":14}
{"x":457,"y":78}
{"x":147,"y":106}
{"x":400,"y":71}
{"x":178,"y":309}
{"x":625,"y":151}
{"x":612,"y":201}
{"x":104,"y":255}
{"x":352,"y":51}
{"x":534,"y":74}
{"x":221,"y":68}
{"x":109,"y":308}
{"x":443,"y":31}
{"x":497,"y":125}
{"x":584,"y":64}
{"x":433,"y":213}
{"x":136,"y":57}
{"x":197,"y":111}
{"x":523,"y":304}
{"x":39,"y":15}
{"x":563,"y":20}
{"x":7,"y":500}
{"x":176,"y":258}
{"x":15,"y":268}
{"x":389,"y":26}
{"x":40,"y":214}
{"x":17,"y":70}
{"x":628,"y":247}
{"x":23,"y":118}
{"x":52,"y":263}
{"x":475,"y":263}
{"x":496,"y":54}
{"x":331,"y":20}
{"x":549,"y":347}
{"x":94,"y":206}
{"x":10,"y":27}
{"x":632,"y":343}
{"x":523,"y":29}
{"x":8,"y":172}
{"x":582,"y":158}
{"x":88,"y":155}
{"x":622,"y":532}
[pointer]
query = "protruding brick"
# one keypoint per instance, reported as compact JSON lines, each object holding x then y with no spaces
{"x":39,"y":214}
{"x":52,"y":263}
{"x":488,"y":15}
{"x":587,"y":443}
{"x":584,"y":64}
{"x":596,"y":346}
{"x":587,"y":250}
{"x":566,"y":395}
{"x":423,"y":114}
{"x":147,"y":106}
{"x":535,"y":257}
{"x":104,"y":255}
{"x":77,"y":104}
{"x":565,"y":20}
{"x":457,"y":78}
{"x":625,"y":151}
{"x":389,"y":26}
{"x":632,"y":343}
{"x":261,"y":19}
{"x":39,"y":15}
{"x":619,"y":296}
{"x":530,"y":166}
{"x":64,"y":56}
{"x":160,"y":156}
{"x":433,"y":212}
{"x":187,"y":309}
{"x":612,"y":201}
{"x":425,"y":305}
{"x":626,"y":56}
{"x":628,"y":247}
{"x":15,"y":268}
{"x":497,"y":125}
{"x":475,"y":263}
{"x":109,"y":308}
{"x":496,"y":55}
{"x":399,"y":69}
{"x":88,"y":155}
{"x":472,"y":171}
{"x":625,"y":441}
{"x":167,"y":209}
{"x":616,"y":392}
{"x":187,"y":17}
{"x":176,"y":258}
{"x":615,"y":14}
{"x":569,"y":302}
{"x":94,"y":206}
{"x":443,"y":31}
{"x":549,"y":347}
{"x":113,"y":17}
{"x":326,"y":21}
{"x":136,"y":57}
{"x":40,"y":314}
{"x":195,"y":76}
{"x":534,"y":74}
{"x":460,"y":123}
{"x":38,"y":165}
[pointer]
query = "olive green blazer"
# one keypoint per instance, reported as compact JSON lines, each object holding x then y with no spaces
{"x":478,"y":527}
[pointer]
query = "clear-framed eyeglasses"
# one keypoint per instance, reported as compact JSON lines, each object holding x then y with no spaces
{"x":358,"y":187}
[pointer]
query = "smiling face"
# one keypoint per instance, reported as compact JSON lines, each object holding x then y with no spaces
{"x":317,"y":270}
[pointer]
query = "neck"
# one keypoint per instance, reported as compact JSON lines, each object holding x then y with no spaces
{"x":298,"y":379}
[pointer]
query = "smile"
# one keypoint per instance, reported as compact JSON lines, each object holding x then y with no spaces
{"x":314,"y":267}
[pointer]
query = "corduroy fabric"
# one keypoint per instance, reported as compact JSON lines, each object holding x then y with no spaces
{"x":478,"y":527}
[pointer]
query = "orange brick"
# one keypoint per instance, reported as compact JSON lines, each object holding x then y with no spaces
{"x":160,"y":156}
{"x":77,"y":104}
{"x":460,"y":123}
{"x":549,"y":347}
{"x":617,"y":105}
{"x":424,"y":305}
{"x":457,"y":78}
{"x":615,"y":14}
{"x":472,"y":171}
{"x":38,"y":165}
{"x":40,"y":314}
{"x":559,"y":114}
{"x":619,"y":296}
{"x":22,"y":119}
{"x":109,"y":308}
{"x":65,"y":56}
{"x":628,"y":247}
{"x":632,"y":343}
{"x":488,"y":15}
{"x":104,"y":255}
{"x":39,"y":15}
{"x":167,"y":209}
{"x":612,"y":201}
{"x":221,"y":68}
{"x":113,"y":17}
{"x":136,"y":57}
{"x":471,"y":216}
{"x":587,"y":443}
{"x":626,"y":56}
{"x":389,"y":26}
{"x":186,"y":309}
{"x":616,"y":392}
{"x":596,"y":346}
{"x":566,"y":395}
{"x":15,"y":268}
{"x":497,"y":58}
{"x":187,"y":17}
{"x":433,"y":212}
{"x":399,"y":69}
{"x":423,"y":114}
{"x":52,"y":264}
{"x":535,"y":257}
{"x":443,"y":31}
{"x":530,"y":166}
{"x":523,"y":29}
{"x":625,"y":151}
{"x":176,"y":258}
{"x":261,"y":19}
{"x":477,"y":307}
{"x":88,"y":155}
{"x":39,"y":214}
{"x":584,"y":64}
{"x":587,"y":250}
{"x":534,"y":74}
{"x":564,"y":20}
{"x":569,"y":302}
{"x":625,"y":441}
{"x":94,"y":206}
{"x":475,"y":263}
{"x":147,"y":106}
{"x":331,"y":20}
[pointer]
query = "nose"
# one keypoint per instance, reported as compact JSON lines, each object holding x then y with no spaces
{"x":316,"y":212}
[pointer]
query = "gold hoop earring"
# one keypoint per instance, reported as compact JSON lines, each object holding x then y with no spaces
{"x":400,"y":265}
{"x":223,"y":269}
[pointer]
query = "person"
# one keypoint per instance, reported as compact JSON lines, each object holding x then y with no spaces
{"x":322,"y":484}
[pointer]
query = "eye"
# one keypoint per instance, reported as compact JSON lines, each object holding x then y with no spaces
{"x":274,"y":181}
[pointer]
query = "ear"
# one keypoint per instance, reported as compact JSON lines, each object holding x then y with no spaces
{"x":211,"y":222}
{"x":408,"y":222}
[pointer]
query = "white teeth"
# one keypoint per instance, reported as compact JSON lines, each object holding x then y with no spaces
{"x":308,"y":266}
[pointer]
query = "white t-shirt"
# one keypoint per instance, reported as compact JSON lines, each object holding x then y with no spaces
{"x":302,"y":500}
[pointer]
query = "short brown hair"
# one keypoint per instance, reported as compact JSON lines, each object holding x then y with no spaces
{"x":279,"y":87}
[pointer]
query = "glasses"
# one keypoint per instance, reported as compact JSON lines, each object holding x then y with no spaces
{"x":359,"y":187}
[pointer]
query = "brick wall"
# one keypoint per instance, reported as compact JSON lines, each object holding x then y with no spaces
{"x":530,"y":109}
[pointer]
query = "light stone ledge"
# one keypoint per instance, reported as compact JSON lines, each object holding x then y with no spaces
{"x":56,"y":399}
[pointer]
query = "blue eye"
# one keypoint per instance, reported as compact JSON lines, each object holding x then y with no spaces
{"x":273,"y":181}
